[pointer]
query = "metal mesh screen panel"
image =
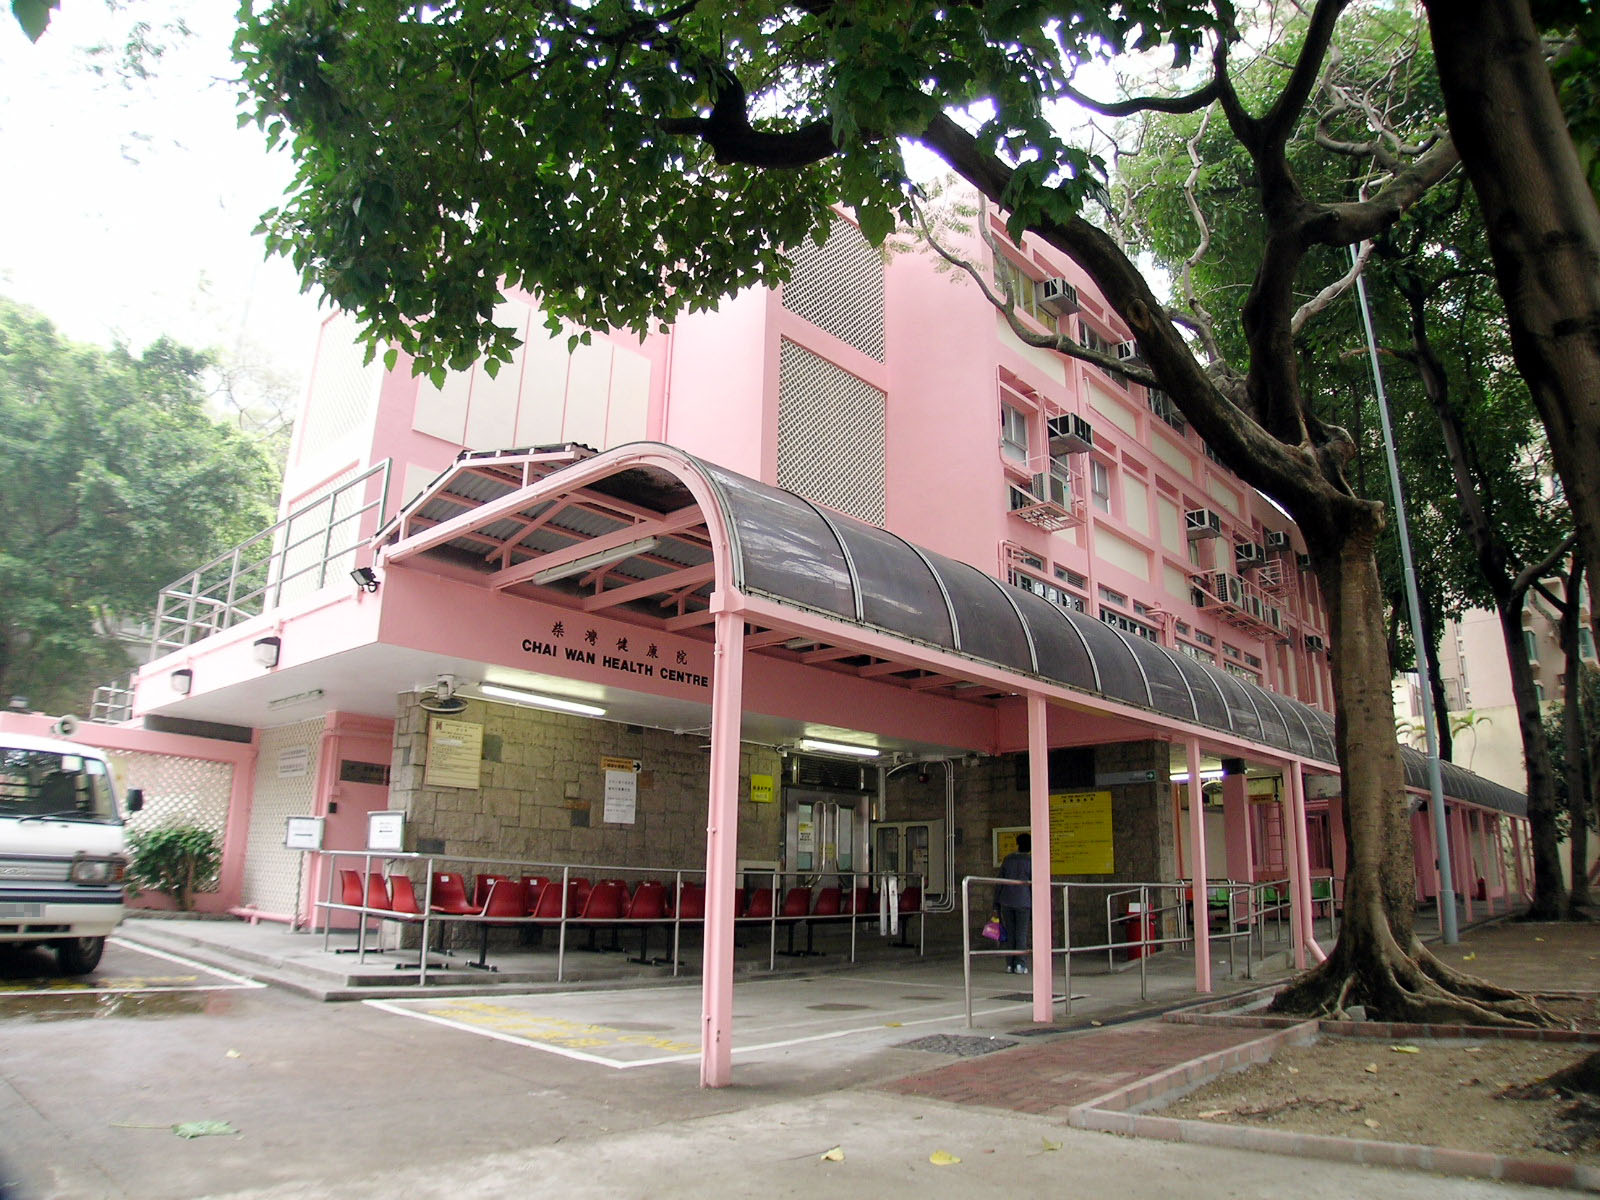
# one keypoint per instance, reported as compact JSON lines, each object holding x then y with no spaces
{"x":343,"y":389}
{"x":177,"y":791}
{"x":830,"y":435}
{"x":272,"y":873}
{"x":838,"y":286}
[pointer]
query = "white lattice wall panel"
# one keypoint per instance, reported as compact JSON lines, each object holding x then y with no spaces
{"x":270,"y":871}
{"x":177,"y":790}
{"x":830,"y":435}
{"x":838,"y":286}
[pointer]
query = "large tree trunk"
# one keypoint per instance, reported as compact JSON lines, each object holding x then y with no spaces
{"x":1440,"y":701}
{"x":1549,"y":891}
{"x":1543,"y":226}
{"x":1378,"y":961}
{"x":1577,"y":755}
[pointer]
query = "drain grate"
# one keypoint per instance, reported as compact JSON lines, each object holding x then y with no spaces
{"x":836,"y":1007}
{"x":934,"y":999}
{"x":961,"y":1047}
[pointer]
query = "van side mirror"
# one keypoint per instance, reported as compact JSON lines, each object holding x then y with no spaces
{"x":135,"y":799}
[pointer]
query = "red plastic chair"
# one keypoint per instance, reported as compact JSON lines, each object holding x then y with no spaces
{"x":404,"y":895}
{"x":829,"y":902}
{"x":580,"y":888}
{"x":532,"y":885}
{"x":796,"y":908}
{"x":860,"y":902}
{"x":692,"y":902}
{"x":910,"y":905}
{"x":648,"y":904}
{"x":606,"y":903}
{"x":450,"y":896}
{"x":350,"y":888}
{"x":760,"y":903}
{"x":378,"y":892}
{"x":502,"y":897}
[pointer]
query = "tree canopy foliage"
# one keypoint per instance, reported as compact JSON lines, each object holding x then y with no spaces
{"x":114,"y":480}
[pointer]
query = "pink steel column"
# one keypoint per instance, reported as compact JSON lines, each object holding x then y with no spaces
{"x":1236,"y":824}
{"x":1294,"y":852}
{"x":722,"y":840}
{"x":1197,"y":872}
{"x":1461,"y":841}
{"x":1039,"y":827}
{"x":236,"y":831}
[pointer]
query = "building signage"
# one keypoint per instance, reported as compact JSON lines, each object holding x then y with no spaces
{"x":761,"y":789}
{"x":303,"y":833}
{"x":622,"y":790}
{"x":294,"y":762}
{"x":627,"y":654}
{"x":386,"y":831}
{"x":455,"y":753}
{"x":1080,"y":834}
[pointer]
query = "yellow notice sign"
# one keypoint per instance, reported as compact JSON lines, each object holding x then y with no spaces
{"x":455,"y":753}
{"x":1080,"y":834}
{"x":761,"y":789}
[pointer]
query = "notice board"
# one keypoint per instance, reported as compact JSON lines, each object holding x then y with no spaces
{"x":455,"y":753}
{"x":1080,"y":834}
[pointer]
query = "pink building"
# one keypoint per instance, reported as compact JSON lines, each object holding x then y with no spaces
{"x":781,"y":533}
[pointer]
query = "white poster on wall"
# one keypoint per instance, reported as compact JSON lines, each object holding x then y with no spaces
{"x":294,"y":762}
{"x":622,"y":790}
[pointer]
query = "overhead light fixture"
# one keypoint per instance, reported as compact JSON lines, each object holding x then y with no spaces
{"x":365,"y":578}
{"x":600,"y":558}
{"x":513,"y":695}
{"x":267,"y":650}
{"x":304,"y":697}
{"x":182,"y":680}
{"x":1205,"y":776}
{"x":822,"y":747}
{"x":800,"y":643}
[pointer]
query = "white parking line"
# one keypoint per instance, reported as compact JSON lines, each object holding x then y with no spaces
{"x":141,"y":984}
{"x":597,"y":1032}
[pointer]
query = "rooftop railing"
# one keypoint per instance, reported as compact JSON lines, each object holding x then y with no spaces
{"x":296,"y":556}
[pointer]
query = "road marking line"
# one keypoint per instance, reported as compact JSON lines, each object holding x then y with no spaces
{"x":242,"y":981}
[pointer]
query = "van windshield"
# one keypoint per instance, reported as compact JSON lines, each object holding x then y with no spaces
{"x":42,"y":784}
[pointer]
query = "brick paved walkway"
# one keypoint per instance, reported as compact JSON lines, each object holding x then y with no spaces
{"x":1049,"y":1077}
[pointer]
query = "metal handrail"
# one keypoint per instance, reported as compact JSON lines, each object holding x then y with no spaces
{"x":433,"y":862}
{"x":249,"y":579}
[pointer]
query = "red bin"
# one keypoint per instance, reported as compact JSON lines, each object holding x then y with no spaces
{"x":1140,"y":931}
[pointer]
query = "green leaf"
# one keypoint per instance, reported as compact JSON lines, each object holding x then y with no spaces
{"x":34,"y":16}
{"x":199,"y":1129}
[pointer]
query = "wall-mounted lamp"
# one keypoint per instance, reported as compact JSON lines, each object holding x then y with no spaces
{"x":365,"y":578}
{"x":266,"y":650}
{"x":182,"y":680}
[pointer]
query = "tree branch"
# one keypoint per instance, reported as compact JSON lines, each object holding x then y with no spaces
{"x":1191,"y":102}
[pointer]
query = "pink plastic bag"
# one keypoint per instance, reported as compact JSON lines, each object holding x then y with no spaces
{"x":994,"y":931}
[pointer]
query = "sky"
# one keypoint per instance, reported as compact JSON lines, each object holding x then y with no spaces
{"x":127,"y":206}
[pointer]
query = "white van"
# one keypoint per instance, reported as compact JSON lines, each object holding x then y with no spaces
{"x":62,"y":856}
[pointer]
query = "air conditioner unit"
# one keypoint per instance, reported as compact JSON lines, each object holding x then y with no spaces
{"x":1315,"y":644}
{"x":1227,"y":588}
{"x":1275,"y":617}
{"x":1202,"y":523}
{"x":1253,"y":606}
{"x":1198,"y":597}
{"x":1070,"y":434}
{"x":1277,"y":540}
{"x":1021,"y":498}
{"x":1302,"y":562}
{"x":1056,"y":295}
{"x":1129,"y":352}
{"x":1054,"y":488}
{"x":1247,"y":554}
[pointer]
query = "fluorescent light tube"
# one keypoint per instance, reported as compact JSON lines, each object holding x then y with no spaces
{"x":837,"y":748}
{"x":1205,"y":777}
{"x":600,"y":558}
{"x":533,"y":700}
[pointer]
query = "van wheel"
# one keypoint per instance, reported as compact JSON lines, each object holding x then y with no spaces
{"x":79,"y":956}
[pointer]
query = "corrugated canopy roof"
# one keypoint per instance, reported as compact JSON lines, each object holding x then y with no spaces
{"x":804,"y":557}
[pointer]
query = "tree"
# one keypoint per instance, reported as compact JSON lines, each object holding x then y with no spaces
{"x":1543,"y":223}
{"x":1469,"y":441}
{"x":628,"y":161}
{"x":114,"y":480}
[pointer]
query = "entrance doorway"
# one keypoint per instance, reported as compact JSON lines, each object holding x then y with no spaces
{"x":914,"y":849}
{"x":825,"y":833}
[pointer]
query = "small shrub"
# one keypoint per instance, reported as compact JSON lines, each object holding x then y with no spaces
{"x":175,"y":860}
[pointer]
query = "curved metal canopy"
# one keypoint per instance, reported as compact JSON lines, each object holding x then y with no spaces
{"x":793,"y":552}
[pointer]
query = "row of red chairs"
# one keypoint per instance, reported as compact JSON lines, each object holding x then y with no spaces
{"x":535,"y":896}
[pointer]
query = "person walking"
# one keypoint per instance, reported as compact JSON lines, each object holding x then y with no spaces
{"x":1014,"y":902}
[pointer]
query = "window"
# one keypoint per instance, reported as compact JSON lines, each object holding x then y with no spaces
{"x":1586,"y":643}
{"x":1204,"y":638}
{"x":1111,"y":597}
{"x":1048,"y":591}
{"x":1090,"y":340}
{"x":1067,"y":575}
{"x":1014,"y":433}
{"x":1100,"y":485}
{"x":1530,"y":641}
{"x":1128,"y":625}
{"x":1196,"y":653}
{"x":1241,"y":672}
{"x":1023,"y":292}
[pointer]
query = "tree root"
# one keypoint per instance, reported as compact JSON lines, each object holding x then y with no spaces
{"x":1415,"y":989}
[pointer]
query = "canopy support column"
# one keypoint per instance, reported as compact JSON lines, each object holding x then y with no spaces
{"x":1198,"y":875}
{"x":1039,"y":826}
{"x":1305,"y":940}
{"x":722,"y":841}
